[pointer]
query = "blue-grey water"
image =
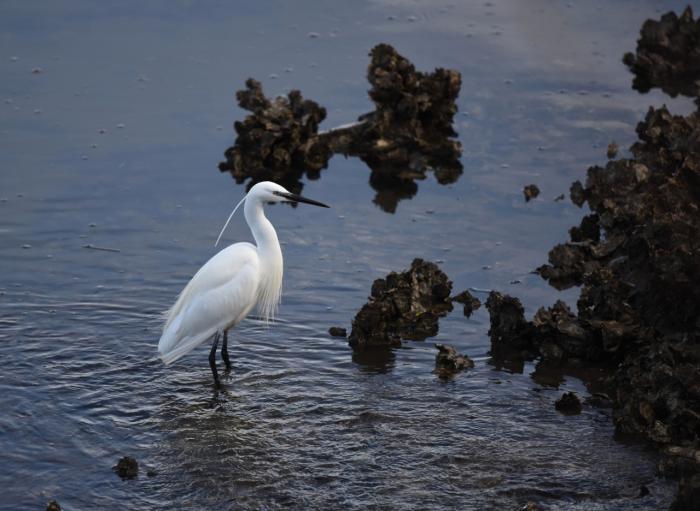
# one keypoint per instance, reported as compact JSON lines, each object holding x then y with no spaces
{"x":113,"y":117}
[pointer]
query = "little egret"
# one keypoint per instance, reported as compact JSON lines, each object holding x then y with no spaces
{"x":230,"y":284}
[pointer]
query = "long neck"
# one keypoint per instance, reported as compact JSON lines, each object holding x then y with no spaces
{"x":270,"y":254}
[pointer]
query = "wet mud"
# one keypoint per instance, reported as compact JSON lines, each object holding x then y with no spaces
{"x":568,"y":404}
{"x":409,"y":132}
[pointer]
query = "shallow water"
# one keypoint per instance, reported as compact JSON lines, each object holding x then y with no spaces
{"x":113,"y":121}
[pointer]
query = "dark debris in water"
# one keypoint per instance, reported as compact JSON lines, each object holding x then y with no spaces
{"x":409,"y":132}
{"x":530,"y":192}
{"x":568,"y":404}
{"x":403,"y":305}
{"x":336,"y":331}
{"x":668,"y":55}
{"x":127,"y":468}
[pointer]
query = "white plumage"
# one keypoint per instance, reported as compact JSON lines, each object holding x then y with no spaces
{"x":231,"y":283}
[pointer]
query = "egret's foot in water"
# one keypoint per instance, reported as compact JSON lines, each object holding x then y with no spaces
{"x":224,"y":352}
{"x":212,"y":361}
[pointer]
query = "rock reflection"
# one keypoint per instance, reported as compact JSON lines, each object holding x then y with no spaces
{"x":379,"y":361}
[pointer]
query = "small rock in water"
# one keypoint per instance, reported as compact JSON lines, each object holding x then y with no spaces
{"x":471,"y":303}
{"x":612,"y":150}
{"x":336,"y":331}
{"x":53,"y":506}
{"x":448,"y":361}
{"x":127,"y":468}
{"x":568,"y":404}
{"x":37,"y":70}
{"x":530,"y":192}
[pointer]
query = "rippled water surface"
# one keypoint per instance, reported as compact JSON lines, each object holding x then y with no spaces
{"x":113,"y":119}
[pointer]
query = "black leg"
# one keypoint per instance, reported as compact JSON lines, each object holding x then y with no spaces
{"x":224,"y":351}
{"x":212,"y":360}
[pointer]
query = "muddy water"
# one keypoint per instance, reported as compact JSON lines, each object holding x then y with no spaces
{"x":113,"y":121}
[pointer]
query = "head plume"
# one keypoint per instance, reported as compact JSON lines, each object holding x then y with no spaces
{"x":229,"y":219}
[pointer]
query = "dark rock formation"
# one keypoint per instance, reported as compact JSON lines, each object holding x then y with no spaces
{"x":637,"y":258}
{"x":530,"y":192}
{"x":448,"y":361}
{"x":555,"y":334}
{"x":278,"y":140}
{"x":127,"y":468}
{"x":509,"y":332}
{"x":471,"y":303}
{"x":568,"y":404}
{"x":409,"y":132}
{"x":411,"y":129}
{"x":668,"y":55}
{"x":403,"y":305}
{"x":53,"y":506}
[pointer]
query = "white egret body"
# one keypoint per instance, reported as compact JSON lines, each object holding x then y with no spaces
{"x":230,"y":284}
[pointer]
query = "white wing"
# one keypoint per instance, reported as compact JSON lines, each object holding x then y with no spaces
{"x":220,"y":295}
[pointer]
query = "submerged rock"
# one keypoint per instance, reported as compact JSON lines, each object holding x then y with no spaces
{"x":470,"y":302}
{"x":336,"y":331}
{"x":448,"y":361}
{"x":568,"y":404}
{"x":403,"y":305}
{"x":127,"y":468}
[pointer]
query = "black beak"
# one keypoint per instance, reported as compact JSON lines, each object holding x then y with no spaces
{"x":293,"y":197}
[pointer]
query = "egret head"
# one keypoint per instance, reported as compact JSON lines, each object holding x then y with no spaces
{"x":267,"y":191}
